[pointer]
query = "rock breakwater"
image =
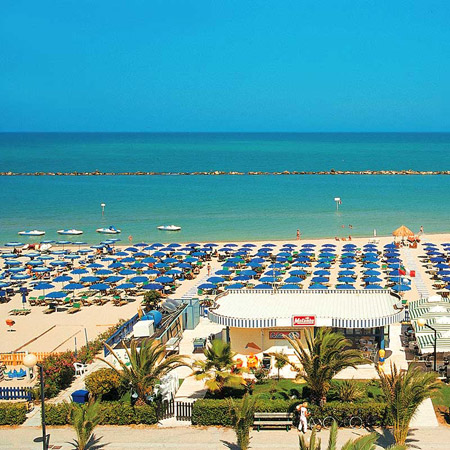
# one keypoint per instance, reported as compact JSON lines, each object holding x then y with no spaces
{"x":220,"y":172}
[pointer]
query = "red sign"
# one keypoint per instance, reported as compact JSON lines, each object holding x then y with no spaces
{"x":303,"y":321}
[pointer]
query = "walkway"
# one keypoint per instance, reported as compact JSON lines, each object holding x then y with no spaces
{"x":204,"y":438}
{"x":410,"y":262}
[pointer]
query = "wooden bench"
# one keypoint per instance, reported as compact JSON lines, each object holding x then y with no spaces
{"x":273,"y":420}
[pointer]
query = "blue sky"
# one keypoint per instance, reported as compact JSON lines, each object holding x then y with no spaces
{"x":182,"y":65}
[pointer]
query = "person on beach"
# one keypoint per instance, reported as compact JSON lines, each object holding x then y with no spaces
{"x":421,"y":230}
{"x":209,"y":269}
{"x":298,"y":235}
{"x":302,"y":409}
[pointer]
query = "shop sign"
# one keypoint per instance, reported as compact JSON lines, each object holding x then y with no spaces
{"x":303,"y":321}
{"x":284,"y":334}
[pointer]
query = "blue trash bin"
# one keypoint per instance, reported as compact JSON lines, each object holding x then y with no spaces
{"x":80,"y":396}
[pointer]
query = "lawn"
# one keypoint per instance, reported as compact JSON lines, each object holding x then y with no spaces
{"x":443,"y":397}
{"x":286,"y":389}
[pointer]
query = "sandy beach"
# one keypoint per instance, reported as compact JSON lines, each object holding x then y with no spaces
{"x":58,"y":331}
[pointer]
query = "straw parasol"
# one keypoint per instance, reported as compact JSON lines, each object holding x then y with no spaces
{"x":402,"y":232}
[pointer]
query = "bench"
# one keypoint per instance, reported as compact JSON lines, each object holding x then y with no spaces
{"x":273,"y":420}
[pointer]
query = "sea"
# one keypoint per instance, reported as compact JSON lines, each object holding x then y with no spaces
{"x":223,"y":208}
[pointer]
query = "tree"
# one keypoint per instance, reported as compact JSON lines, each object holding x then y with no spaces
{"x":242,"y":418}
{"x":218,"y":370}
{"x":281,"y":360}
{"x":404,"y":391}
{"x":84,"y":420}
{"x":324,"y":355}
{"x":148,"y":363}
{"x":151,"y":299}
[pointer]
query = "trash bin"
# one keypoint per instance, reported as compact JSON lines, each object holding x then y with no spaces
{"x":80,"y":396}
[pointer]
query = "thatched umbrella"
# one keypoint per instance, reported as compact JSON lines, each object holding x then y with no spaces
{"x":402,"y":232}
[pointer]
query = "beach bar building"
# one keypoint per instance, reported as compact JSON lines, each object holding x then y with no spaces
{"x":257,"y":321}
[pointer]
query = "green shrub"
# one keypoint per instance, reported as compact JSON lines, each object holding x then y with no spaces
{"x":59,"y":371}
{"x":216,"y":412}
{"x":12,"y":413}
{"x":104,"y":382}
{"x":112,"y":413}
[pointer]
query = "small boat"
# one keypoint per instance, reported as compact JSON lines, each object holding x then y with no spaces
{"x":111,"y":230}
{"x":71,"y":232}
{"x":32,"y":233}
{"x":169,"y":228}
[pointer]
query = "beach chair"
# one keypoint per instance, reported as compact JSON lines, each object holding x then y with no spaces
{"x":49,"y":310}
{"x":32,"y":301}
{"x":75,"y":308}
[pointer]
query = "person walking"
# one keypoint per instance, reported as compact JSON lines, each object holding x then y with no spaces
{"x":298,"y":235}
{"x":302,"y":408}
{"x":209,"y":269}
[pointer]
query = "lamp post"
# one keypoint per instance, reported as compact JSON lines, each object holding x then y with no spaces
{"x":30,"y":361}
{"x":423,"y":323}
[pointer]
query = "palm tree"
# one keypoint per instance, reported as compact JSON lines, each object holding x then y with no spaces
{"x":148,"y":363}
{"x":84,"y":420}
{"x":404,"y":391}
{"x":366,"y":442}
{"x":218,"y":370}
{"x":322,"y":358}
{"x":242,"y":418}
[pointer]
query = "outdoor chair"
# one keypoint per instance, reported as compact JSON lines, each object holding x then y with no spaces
{"x":75,"y":307}
{"x":80,"y":368}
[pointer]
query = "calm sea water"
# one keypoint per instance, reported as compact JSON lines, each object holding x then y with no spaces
{"x":225,"y":207}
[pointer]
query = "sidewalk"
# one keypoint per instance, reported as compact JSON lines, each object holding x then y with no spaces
{"x":141,"y":437}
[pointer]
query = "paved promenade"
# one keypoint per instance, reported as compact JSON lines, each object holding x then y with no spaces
{"x":210,"y":438}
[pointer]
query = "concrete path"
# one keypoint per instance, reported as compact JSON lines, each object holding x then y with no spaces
{"x":141,"y":437}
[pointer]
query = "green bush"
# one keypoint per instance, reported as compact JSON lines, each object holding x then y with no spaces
{"x":112,"y":413}
{"x":104,"y":382}
{"x":216,"y":412}
{"x":59,"y":371}
{"x":12,"y":413}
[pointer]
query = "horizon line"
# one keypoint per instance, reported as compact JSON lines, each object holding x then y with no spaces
{"x":221,"y":132}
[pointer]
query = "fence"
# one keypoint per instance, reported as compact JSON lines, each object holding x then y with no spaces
{"x":16,"y":359}
{"x":120,"y":334}
{"x":15,"y":393}
{"x":184,"y":410}
{"x":165,"y":410}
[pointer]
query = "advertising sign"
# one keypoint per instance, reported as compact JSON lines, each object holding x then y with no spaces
{"x":283,"y":334}
{"x":303,"y":321}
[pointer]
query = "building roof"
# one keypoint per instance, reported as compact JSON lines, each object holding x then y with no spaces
{"x":345,"y":309}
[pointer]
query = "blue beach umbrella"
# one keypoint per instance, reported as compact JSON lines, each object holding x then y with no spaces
{"x":290,"y":287}
{"x":99,"y":287}
{"x":372,"y":272}
{"x":79,"y":271}
{"x":297,"y":273}
{"x":126,"y":286}
{"x":127,"y":272}
{"x":14,"y":244}
{"x":318,"y":286}
{"x":319,"y":279}
{"x":73,"y":286}
{"x":373,"y":287}
{"x":293,"y":279}
{"x":43,"y":286}
{"x":20,"y":276}
{"x":346,"y":273}
{"x":152,"y":272}
{"x":63,"y":278}
{"x":56,"y":294}
{"x":41,"y":269}
{"x":262,"y":286}
{"x":153,"y":287}
{"x":346,"y":280}
{"x":234,"y":286}
{"x":372,"y":280}
{"x":207,"y":286}
{"x":89,"y":279}
{"x":95,"y":266}
{"x":345,"y":286}
{"x":138,"y":280}
{"x":163,"y":279}
{"x":401,"y":287}
{"x":113,"y":279}
{"x":241,"y":278}
{"x":322,"y":273}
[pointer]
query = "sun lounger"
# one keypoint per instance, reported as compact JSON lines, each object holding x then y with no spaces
{"x":32,"y":301}
{"x":75,"y":307}
{"x":49,"y":310}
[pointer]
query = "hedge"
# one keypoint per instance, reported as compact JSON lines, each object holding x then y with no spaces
{"x":217,"y":412}
{"x":111,"y":413}
{"x":12,"y":413}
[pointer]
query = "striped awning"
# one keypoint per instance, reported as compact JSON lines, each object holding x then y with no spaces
{"x":334,"y":308}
